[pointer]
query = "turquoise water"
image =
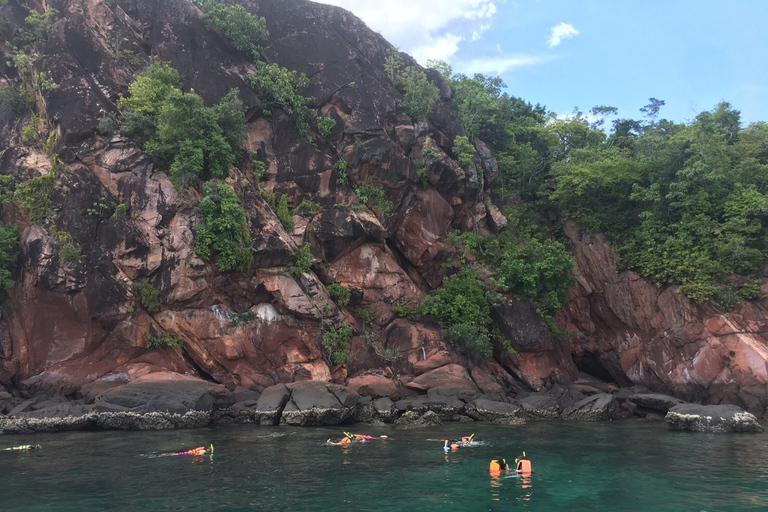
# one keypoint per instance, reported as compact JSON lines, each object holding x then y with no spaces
{"x":614,"y":466}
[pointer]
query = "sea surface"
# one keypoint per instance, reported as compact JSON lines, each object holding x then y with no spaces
{"x":611,"y":466}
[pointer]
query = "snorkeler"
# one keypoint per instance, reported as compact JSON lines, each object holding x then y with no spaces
{"x":523,"y":465}
{"x":347,"y":439}
{"x":451,"y":446}
{"x":497,"y":466}
{"x":200,"y":450}
{"x":24,"y":447}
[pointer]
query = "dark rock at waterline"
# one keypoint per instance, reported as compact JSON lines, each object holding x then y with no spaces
{"x":319,"y":403}
{"x":482,"y":409}
{"x":655,"y":401}
{"x":168,"y":396}
{"x":711,"y":418}
{"x":270,"y":404}
{"x":598,"y":407}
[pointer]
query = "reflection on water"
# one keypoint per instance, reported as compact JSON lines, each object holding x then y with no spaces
{"x":634,"y":467}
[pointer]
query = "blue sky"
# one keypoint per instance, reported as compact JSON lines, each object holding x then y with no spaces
{"x":692,"y":54}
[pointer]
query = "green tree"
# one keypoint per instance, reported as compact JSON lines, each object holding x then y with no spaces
{"x":279,"y":88}
{"x":244,"y":30}
{"x":9,"y":255}
{"x":223,"y":232}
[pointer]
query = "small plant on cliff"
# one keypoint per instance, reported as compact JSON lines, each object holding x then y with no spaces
{"x":39,"y":23}
{"x":461,"y":306}
{"x":463,"y":150}
{"x":373,"y":198}
{"x":402,"y":308}
{"x":303,"y":262}
{"x":325,"y":125}
{"x":34,"y":196}
{"x":166,"y":339}
{"x":9,"y":255}
{"x":147,"y":295}
{"x":244,"y":30}
{"x":279,"y":88}
{"x":340,"y":294}
{"x":419,"y":94}
{"x":284,"y":214}
{"x":14,"y":103}
{"x":335,"y":343}
{"x":224,"y":230}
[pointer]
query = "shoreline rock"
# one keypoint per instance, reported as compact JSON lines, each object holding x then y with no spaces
{"x":157,"y":404}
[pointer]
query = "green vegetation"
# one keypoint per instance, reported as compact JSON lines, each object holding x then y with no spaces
{"x":279,"y":89}
{"x":419,"y":94}
{"x":335,"y":344}
{"x":39,"y":23}
{"x":148,"y":296}
{"x":223,"y":232}
{"x":164,"y":340}
{"x":34,"y":196}
{"x":683,"y":204}
{"x":14,"y":103}
{"x":244,"y":30}
{"x":194,"y":142}
{"x":340,"y":294}
{"x":325,"y":125}
{"x":373,"y":198}
{"x":304,"y":259}
{"x":463,"y":150}
{"x":9,"y":255}
{"x":284,"y":214}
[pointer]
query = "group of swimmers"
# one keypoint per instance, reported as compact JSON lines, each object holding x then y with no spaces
{"x":200,"y":450}
{"x":522,"y":463}
{"x":522,"y":466}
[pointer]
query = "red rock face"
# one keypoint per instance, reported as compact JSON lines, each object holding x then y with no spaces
{"x":76,"y":321}
{"x":636,"y":333}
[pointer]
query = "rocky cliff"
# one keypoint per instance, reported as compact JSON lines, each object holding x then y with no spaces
{"x":73,"y":323}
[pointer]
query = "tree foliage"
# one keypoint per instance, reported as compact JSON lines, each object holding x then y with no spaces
{"x":223,"y":233}
{"x":9,"y":255}
{"x":419,"y":94}
{"x":279,"y":88}
{"x":684,"y":204}
{"x":194,"y":142}
{"x":244,"y":30}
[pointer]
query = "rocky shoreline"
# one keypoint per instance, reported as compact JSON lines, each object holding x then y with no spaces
{"x":160,"y":404}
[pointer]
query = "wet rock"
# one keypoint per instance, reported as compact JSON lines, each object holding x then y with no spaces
{"x":172,"y":396}
{"x":318,"y":403}
{"x":711,"y":418}
{"x":655,"y":401}
{"x":270,"y":404}
{"x":598,"y":407}
{"x":482,"y":409}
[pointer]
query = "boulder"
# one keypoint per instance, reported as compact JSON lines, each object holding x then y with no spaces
{"x":318,"y":403}
{"x":597,"y":407}
{"x":711,"y":418}
{"x":270,"y":404}
{"x":655,"y":401}
{"x":168,"y":394}
{"x":482,"y":409}
{"x":375,"y":386}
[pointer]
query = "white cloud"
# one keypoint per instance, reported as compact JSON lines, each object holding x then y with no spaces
{"x":559,"y":32}
{"x":426,"y":29}
{"x":501,"y":64}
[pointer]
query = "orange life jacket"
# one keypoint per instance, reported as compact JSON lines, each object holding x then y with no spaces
{"x":524,"y":467}
{"x":494,"y":468}
{"x":200,"y":450}
{"x":345,"y":440}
